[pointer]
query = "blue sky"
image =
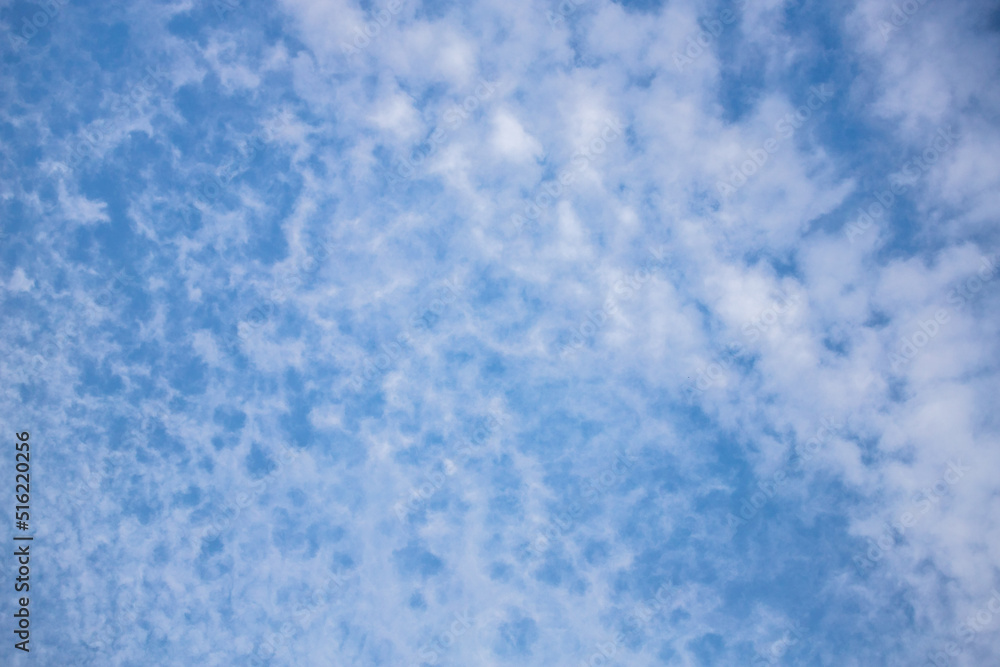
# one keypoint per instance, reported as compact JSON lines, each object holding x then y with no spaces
{"x":437,"y":333}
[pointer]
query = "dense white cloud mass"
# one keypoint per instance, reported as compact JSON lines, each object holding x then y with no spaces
{"x":649,"y":332}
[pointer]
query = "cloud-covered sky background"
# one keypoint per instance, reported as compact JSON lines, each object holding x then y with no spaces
{"x":508,"y":333}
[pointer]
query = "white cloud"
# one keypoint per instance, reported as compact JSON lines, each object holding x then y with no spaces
{"x":511,"y":141}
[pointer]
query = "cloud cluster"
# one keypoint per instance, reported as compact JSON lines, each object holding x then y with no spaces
{"x":332,"y":318}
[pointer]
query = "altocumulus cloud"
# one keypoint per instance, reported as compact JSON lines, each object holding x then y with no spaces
{"x":330,"y":320}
